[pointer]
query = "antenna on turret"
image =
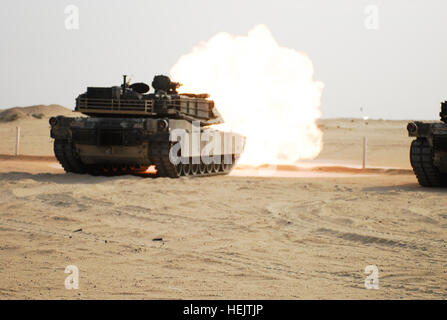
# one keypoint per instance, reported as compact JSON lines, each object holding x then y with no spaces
{"x":124,"y":82}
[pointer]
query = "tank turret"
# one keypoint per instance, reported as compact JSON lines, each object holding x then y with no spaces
{"x":134,"y":100}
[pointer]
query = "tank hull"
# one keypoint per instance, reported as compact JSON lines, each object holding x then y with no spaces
{"x":176,"y":147}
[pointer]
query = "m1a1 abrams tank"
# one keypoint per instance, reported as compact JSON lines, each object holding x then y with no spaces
{"x":128,"y":129}
{"x":428,"y":154}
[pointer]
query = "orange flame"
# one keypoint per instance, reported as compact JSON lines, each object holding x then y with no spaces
{"x":263,"y":91}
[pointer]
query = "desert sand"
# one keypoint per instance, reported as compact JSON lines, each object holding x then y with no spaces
{"x":302,"y":234}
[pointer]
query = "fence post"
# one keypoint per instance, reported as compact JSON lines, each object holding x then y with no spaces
{"x":17,"y":150}
{"x":365,"y":142}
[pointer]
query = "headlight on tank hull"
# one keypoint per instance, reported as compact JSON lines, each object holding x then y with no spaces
{"x":162,"y":125}
{"x":53,"y":121}
{"x":412,"y":128}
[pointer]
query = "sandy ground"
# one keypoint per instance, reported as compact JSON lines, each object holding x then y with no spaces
{"x":302,"y":237}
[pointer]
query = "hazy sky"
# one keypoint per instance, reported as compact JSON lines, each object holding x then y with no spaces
{"x":398,"y":71}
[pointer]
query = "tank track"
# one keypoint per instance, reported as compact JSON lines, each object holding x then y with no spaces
{"x":64,"y":153}
{"x":70,"y":162}
{"x":421,"y":158}
{"x":159,"y":156}
{"x":159,"y":152}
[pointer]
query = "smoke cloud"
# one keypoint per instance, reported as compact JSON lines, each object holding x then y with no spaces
{"x":263,"y":91}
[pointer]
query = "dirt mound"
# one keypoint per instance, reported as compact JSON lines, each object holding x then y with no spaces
{"x":34,"y":112}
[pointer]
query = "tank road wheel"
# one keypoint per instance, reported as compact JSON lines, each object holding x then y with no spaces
{"x":216,"y":167}
{"x":194,"y":168}
{"x":179,"y":169}
{"x":421,"y":158}
{"x":186,"y":169}
{"x":94,"y":170}
{"x":202,"y":167}
{"x":115,"y":169}
{"x":226,"y":167}
{"x":209,"y":168}
{"x":107,"y":170}
{"x":222,"y":166}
